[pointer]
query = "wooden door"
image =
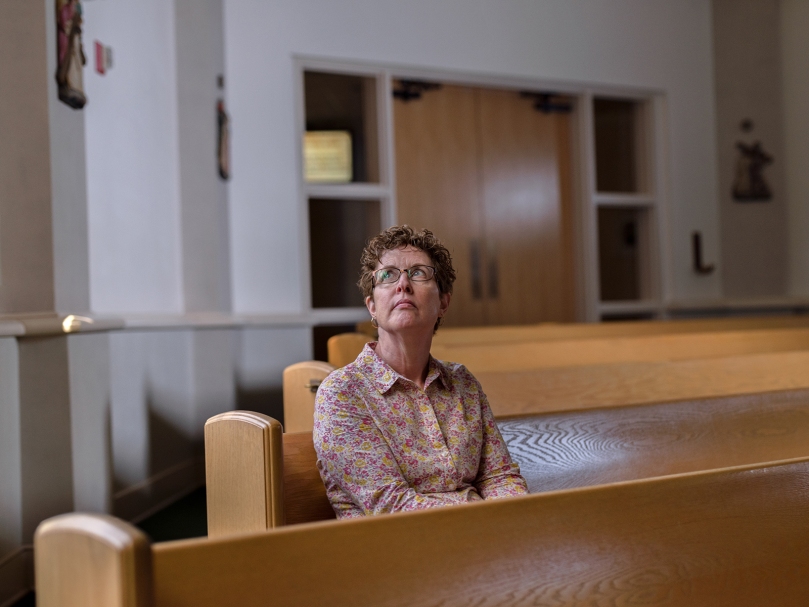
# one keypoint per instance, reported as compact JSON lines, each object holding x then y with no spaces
{"x":525,"y":177}
{"x":437,"y":186}
{"x":489,"y":175}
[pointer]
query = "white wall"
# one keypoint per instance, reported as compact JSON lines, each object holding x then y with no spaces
{"x":660,"y":44}
{"x":133,"y":186}
{"x":10,"y":450}
{"x":795,"y":65}
{"x":206,"y":249}
{"x":748,"y":86}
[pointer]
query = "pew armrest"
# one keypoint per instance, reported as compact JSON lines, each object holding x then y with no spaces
{"x":92,"y":560}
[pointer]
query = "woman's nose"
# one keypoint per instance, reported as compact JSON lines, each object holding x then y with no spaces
{"x":404,"y":283}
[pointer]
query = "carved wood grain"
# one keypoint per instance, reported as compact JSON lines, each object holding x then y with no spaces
{"x":736,"y":537}
{"x":580,"y":448}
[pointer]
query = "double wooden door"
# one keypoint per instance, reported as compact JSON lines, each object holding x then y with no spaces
{"x":490,"y":176}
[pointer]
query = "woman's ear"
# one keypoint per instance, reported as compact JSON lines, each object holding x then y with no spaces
{"x":371,"y":305}
{"x":443,"y":303}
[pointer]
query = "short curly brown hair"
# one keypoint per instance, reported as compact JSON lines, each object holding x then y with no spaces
{"x":398,"y":237}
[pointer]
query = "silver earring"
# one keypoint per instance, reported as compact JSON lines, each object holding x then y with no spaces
{"x":374,"y":324}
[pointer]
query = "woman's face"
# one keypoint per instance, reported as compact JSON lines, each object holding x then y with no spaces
{"x":406,"y":304}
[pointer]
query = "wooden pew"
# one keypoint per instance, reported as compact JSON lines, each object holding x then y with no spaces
{"x":644,"y":348}
{"x":562,"y":331}
{"x":563,"y":375}
{"x":591,"y":387}
{"x":737,"y":536}
{"x":300,"y":384}
{"x":345,"y":347}
{"x":555,"y":451}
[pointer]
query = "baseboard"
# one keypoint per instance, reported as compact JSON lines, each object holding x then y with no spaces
{"x":139,"y":501}
{"x":16,"y":575}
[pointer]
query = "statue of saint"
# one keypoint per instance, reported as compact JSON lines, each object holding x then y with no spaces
{"x":70,"y":53}
{"x":749,"y":183}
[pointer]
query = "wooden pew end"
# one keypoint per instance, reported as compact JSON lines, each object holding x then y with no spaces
{"x":92,"y":560}
{"x":244,"y":473}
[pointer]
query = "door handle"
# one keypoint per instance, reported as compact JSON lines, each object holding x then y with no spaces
{"x":696,"y":246}
{"x":477,"y":283}
{"x":494,"y":278}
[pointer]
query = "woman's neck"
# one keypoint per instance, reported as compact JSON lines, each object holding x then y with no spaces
{"x":409,"y":356}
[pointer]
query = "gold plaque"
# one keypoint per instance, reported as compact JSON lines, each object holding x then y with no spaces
{"x":327,"y":156}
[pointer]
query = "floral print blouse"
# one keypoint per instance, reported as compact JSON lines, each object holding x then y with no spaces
{"x":384,"y":445}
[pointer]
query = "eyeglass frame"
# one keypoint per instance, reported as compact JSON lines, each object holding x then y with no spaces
{"x":402,"y":271}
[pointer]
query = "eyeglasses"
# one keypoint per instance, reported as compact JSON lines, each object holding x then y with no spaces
{"x":390,"y":276}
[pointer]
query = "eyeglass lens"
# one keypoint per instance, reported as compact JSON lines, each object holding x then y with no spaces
{"x":416,"y":273}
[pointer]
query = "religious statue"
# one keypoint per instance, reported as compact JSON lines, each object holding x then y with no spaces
{"x":749,"y":184}
{"x":70,"y":53}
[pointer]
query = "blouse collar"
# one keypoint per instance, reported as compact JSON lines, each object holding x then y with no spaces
{"x":383,"y":376}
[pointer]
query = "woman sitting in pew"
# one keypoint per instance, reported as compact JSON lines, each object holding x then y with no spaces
{"x":397,"y":429}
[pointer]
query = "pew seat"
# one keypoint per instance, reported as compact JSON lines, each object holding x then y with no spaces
{"x":737,"y":536}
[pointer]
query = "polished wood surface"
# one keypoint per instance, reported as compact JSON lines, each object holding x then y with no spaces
{"x":736,"y":536}
{"x":91,"y":560}
{"x":304,"y":494}
{"x":244,"y":473}
{"x":580,"y":448}
{"x":300,"y":386}
{"x":526,"y":221}
{"x":641,"y":348}
{"x":437,"y":186}
{"x":563,"y":331}
{"x":345,"y":347}
{"x":589,"y":387}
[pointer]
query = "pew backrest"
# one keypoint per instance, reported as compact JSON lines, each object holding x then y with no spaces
{"x":565,"y":331}
{"x":344,"y":348}
{"x":597,"y":386}
{"x":300,"y":385}
{"x":737,"y":536}
{"x":645,"y":348}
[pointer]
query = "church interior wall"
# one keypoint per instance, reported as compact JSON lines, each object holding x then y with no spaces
{"x":747,"y":63}
{"x":794,"y":23}
{"x":133,"y":163}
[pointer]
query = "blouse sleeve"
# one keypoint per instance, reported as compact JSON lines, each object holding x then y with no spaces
{"x":354,"y":457}
{"x":498,"y":476}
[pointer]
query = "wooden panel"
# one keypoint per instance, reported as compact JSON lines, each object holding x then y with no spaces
{"x":528,"y":256}
{"x":580,"y":448}
{"x":346,"y":347}
{"x":552,"y":331}
{"x":300,"y":384}
{"x":568,"y":388}
{"x":437,"y":183}
{"x":646,"y":348}
{"x":243,"y":472}
{"x":91,"y":560}
{"x":732,"y":537}
{"x":304,"y":493}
